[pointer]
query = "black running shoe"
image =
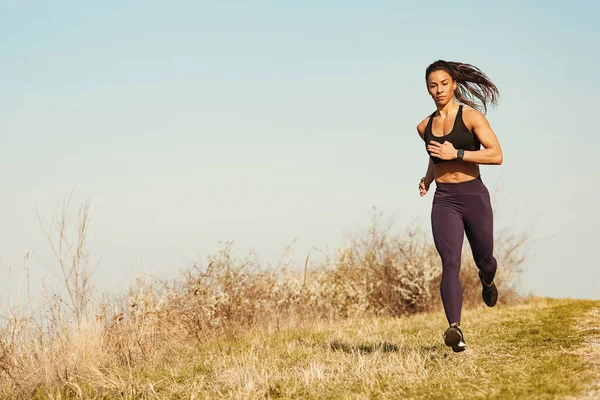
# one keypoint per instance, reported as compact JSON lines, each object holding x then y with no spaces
{"x":453,"y":337}
{"x":489,"y":293}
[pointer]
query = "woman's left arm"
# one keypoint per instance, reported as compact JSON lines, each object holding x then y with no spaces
{"x":492,"y":152}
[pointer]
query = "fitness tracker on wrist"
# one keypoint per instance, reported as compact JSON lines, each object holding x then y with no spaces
{"x":460,"y":154}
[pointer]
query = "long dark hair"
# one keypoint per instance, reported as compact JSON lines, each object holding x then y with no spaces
{"x":471,"y":83}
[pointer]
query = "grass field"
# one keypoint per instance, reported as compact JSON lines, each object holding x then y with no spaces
{"x":363,"y":323}
{"x":536,"y":350}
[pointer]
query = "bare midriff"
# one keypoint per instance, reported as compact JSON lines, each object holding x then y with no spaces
{"x":455,"y":171}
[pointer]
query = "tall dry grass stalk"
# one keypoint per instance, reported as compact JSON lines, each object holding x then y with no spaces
{"x":73,"y":257}
{"x":378,"y":273}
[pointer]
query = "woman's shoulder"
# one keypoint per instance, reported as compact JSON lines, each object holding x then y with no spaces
{"x":470,"y":112}
{"x":423,"y":124}
{"x":421,"y":127}
{"x":472,"y":117}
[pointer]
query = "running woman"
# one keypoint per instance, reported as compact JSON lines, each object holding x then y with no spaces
{"x":454,"y":135}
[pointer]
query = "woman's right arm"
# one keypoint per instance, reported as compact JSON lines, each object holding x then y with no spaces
{"x":426,"y":180}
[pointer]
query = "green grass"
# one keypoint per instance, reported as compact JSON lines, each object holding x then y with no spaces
{"x":530,"y":351}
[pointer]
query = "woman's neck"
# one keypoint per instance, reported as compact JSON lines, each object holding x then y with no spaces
{"x":449,"y":108}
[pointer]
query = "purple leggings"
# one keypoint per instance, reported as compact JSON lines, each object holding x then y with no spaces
{"x":460,"y":208}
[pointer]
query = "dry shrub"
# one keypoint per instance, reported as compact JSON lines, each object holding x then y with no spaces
{"x":384,"y":273}
{"x":378,"y":273}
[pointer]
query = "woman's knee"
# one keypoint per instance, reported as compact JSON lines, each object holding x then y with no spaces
{"x":487,"y":263}
{"x":451,"y":266}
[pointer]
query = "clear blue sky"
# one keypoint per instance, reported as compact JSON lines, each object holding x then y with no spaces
{"x":194,"y":122}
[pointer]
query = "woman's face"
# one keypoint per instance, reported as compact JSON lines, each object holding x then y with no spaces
{"x":441,"y":87}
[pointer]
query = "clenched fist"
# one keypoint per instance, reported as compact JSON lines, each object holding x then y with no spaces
{"x":424,"y":186}
{"x":445,"y":151}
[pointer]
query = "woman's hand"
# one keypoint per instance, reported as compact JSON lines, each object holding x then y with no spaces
{"x":424,"y":186}
{"x":445,"y":151}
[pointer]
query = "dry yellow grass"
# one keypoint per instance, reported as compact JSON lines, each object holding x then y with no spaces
{"x":532,"y":351}
{"x":234,"y":328}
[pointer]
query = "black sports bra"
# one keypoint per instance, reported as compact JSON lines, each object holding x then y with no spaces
{"x":460,"y":136}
